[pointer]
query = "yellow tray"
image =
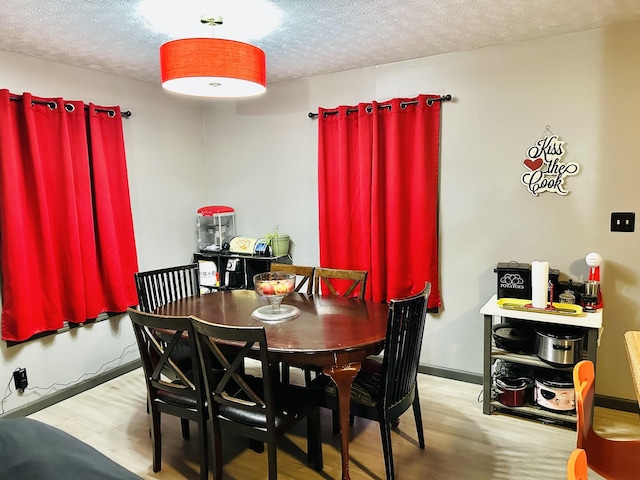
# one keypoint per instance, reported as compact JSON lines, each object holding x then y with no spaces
{"x":525,"y":306}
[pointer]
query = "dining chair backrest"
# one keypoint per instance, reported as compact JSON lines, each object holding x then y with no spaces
{"x":156,"y":355}
{"x":577,"y":465}
{"x":304,"y":274}
{"x":405,"y":329}
{"x":232,"y":391}
{"x":158,"y":287}
{"x":610,"y":458}
{"x":339,"y":282}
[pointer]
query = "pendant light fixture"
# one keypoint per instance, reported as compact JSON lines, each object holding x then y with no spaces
{"x":212,"y":67}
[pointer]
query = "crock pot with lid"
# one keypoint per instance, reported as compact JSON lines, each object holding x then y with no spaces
{"x":559,"y":346}
{"x":513,"y":338}
{"x":512,"y":391}
{"x":554,"y":390}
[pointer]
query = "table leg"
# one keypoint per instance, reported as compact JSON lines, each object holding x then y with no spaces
{"x":343,"y":376}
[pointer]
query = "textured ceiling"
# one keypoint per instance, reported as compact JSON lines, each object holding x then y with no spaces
{"x":314,"y":37}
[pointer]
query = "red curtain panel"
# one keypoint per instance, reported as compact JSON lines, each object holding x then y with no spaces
{"x":378,"y":194}
{"x":54,"y":192}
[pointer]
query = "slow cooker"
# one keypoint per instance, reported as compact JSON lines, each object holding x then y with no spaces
{"x":513,"y":338}
{"x":559,"y":346}
{"x":554,"y":390}
{"x":512,"y":391}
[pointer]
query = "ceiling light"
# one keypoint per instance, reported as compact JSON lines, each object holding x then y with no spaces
{"x":245,"y":20}
{"x":212,"y":67}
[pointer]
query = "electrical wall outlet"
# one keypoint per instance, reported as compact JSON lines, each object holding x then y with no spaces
{"x":20,"y":378}
{"x":623,"y":221}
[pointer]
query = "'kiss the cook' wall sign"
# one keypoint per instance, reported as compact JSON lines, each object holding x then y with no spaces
{"x":545,"y":170}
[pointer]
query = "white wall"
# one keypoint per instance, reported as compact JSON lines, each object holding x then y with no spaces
{"x":262,"y":161}
{"x":165,"y":158}
{"x":584,"y":86}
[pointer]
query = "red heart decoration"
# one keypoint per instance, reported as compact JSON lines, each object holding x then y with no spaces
{"x":533,"y":164}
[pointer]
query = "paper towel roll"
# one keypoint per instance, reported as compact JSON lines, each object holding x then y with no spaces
{"x":539,"y":284}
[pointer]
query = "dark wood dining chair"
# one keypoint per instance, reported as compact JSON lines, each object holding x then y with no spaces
{"x":158,"y":287}
{"x":304,"y":275}
{"x":335,"y":281}
{"x":254,"y":407}
{"x":611,"y":458}
{"x":180,"y":394}
{"x":384,"y":396}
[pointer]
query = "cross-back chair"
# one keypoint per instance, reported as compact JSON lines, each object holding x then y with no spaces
{"x":335,"y":282}
{"x":158,"y":287}
{"x":614,"y":459}
{"x":170,"y":388}
{"x":304,"y":274}
{"x":384,"y":396}
{"x":256,"y":408}
{"x":339,"y":282}
{"x":577,"y":465}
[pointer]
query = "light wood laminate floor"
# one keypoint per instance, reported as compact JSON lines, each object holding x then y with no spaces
{"x":461,"y":442}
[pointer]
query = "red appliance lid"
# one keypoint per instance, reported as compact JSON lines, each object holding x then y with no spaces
{"x":212,"y":210}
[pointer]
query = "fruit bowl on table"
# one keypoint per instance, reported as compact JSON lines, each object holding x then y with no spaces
{"x":274,"y":286}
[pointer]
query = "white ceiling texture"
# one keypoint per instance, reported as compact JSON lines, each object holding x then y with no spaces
{"x":313,"y":36}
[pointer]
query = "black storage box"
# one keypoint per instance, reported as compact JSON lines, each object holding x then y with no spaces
{"x":514,"y":280}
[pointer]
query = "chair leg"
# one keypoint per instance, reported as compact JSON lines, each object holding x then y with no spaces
{"x":417,"y":414}
{"x":217,"y":452}
{"x":286,"y":374}
{"x":272,"y":449}
{"x":156,"y":440}
{"x":256,"y":445}
{"x":203,"y":439}
{"x":387,"y":451}
{"x":184,"y":423}
{"x":314,"y":440}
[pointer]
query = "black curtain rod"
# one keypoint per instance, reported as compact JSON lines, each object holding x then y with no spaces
{"x":444,"y":98}
{"x":52,"y":104}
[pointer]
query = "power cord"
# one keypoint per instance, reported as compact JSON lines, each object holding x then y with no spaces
{"x":8,"y":387}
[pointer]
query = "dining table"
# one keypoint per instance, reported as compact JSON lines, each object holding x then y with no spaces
{"x":331,"y":332}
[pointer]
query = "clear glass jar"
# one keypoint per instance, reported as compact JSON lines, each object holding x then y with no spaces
{"x":567,"y":297}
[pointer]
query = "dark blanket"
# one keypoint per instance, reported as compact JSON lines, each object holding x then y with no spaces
{"x":32,"y":450}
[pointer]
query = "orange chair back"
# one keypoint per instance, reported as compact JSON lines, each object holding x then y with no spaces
{"x":614,"y":459}
{"x":577,"y":465}
{"x":583,"y":384}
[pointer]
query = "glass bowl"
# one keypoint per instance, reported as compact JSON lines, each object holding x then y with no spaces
{"x":274,"y":286}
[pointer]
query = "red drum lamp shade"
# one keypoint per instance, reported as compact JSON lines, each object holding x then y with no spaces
{"x":212,"y":67}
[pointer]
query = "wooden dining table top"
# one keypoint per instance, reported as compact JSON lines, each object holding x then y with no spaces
{"x":632,"y":342}
{"x":326,"y":324}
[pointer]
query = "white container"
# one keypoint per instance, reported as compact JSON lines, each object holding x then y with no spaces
{"x":216,"y":226}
